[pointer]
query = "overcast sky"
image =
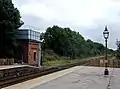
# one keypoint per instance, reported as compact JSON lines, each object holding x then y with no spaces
{"x":88,"y":17}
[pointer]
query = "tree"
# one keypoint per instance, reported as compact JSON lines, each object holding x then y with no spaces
{"x":117,"y":54}
{"x":9,"y":24}
{"x":66,"y":42}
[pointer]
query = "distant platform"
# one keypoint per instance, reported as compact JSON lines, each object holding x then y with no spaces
{"x":3,"y":67}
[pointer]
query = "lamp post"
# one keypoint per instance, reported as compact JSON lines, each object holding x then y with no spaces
{"x":106,"y":35}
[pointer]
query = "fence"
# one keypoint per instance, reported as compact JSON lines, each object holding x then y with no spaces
{"x":99,"y":62}
{"x":6,"y":61}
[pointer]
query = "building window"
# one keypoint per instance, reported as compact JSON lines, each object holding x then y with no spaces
{"x":34,"y":56}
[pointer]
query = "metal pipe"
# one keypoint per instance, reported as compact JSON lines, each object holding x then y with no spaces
{"x":39,"y":55}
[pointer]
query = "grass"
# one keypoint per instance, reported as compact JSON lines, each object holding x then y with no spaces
{"x":56,"y":62}
{"x":64,"y":61}
{"x":52,"y":59}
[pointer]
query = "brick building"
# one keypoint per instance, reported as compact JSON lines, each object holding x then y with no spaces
{"x":28,"y":49}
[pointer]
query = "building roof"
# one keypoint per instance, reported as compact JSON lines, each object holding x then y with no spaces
{"x":28,"y":34}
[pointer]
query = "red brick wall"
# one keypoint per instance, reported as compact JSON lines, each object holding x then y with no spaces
{"x":32,"y":47}
{"x":22,"y":52}
{"x":25,"y":52}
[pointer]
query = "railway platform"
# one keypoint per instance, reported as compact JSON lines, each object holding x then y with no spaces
{"x":79,"y":77}
{"x":3,"y":67}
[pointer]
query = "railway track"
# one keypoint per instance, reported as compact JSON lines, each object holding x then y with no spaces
{"x":14,"y":76}
{"x":33,"y":73}
{"x":7,"y":81}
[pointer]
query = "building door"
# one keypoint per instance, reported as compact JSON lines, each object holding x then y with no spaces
{"x":34,"y":56}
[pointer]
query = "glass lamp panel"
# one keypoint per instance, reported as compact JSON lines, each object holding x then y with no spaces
{"x":106,"y":34}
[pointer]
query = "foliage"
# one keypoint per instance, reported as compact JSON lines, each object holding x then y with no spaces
{"x":9,"y":23}
{"x":117,"y":54}
{"x":65,"y":42}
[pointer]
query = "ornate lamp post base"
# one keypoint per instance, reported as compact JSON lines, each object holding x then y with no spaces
{"x":106,"y":72}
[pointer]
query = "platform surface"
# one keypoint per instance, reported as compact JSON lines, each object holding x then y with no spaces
{"x":79,"y":77}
